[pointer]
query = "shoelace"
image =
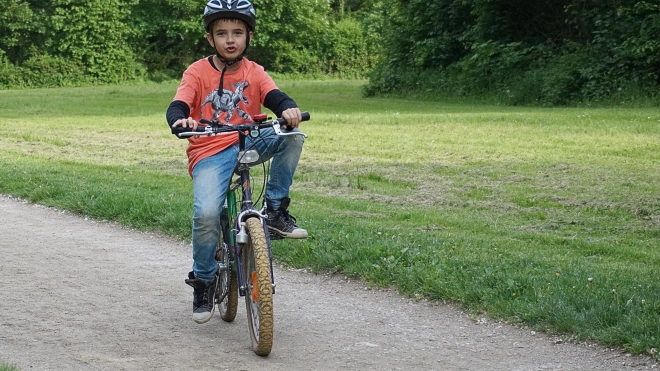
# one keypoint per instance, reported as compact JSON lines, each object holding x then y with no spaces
{"x":206,"y":295}
{"x":202,"y":297}
{"x":199,"y":298}
{"x":289,"y":219}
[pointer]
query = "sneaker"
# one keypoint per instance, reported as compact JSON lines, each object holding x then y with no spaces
{"x":203,"y":298}
{"x":281,"y":223}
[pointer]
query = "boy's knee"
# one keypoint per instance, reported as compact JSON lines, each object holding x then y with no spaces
{"x":207,"y":215}
{"x":294,"y":142}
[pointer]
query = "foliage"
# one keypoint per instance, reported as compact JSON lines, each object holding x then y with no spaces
{"x":93,"y":33}
{"x":109,"y":41}
{"x":347,"y":52}
{"x":278,"y":43}
{"x":43,"y":70}
{"x":512,"y":51}
{"x":551,"y":52}
{"x":66,"y":42}
{"x":168,"y":36}
{"x":15,"y":17}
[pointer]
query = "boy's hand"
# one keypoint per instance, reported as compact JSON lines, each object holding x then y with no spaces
{"x":186,"y":123}
{"x":293,"y":117}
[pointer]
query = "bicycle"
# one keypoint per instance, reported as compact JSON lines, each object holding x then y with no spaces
{"x":245,"y":265}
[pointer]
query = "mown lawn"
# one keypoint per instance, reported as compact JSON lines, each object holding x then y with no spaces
{"x":547,"y":217}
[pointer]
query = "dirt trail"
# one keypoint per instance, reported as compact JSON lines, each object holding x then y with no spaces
{"x":78,"y":294}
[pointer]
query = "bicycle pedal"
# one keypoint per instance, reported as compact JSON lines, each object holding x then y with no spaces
{"x":275,"y":235}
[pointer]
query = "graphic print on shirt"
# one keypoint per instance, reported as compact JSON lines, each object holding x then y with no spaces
{"x":228,"y":102}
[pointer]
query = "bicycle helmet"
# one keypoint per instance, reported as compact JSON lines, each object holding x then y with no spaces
{"x":239,"y":9}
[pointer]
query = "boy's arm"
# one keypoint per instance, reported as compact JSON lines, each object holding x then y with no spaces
{"x":283,"y":106}
{"x":176,"y":111}
{"x":178,"y":114}
{"x":278,"y":102}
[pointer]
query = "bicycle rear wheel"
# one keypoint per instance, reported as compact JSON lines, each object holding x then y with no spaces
{"x":226,"y":294}
{"x":258,"y":288}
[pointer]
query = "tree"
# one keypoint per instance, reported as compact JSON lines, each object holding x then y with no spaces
{"x":93,"y":33}
{"x":15,"y":19}
{"x":546,"y":52}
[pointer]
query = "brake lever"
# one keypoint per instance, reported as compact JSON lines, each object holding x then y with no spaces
{"x":277,"y":129}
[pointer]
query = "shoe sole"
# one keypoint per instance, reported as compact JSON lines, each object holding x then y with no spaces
{"x":204,"y":319}
{"x":281,"y":234}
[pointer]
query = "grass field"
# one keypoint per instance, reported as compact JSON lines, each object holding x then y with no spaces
{"x":6,"y":367}
{"x":549,"y":218}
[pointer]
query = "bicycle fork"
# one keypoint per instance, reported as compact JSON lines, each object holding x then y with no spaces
{"x":238,"y":233}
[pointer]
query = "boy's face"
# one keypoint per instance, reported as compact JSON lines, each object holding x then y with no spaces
{"x":229,"y":37}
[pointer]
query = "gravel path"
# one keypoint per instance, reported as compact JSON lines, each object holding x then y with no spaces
{"x":79,"y":294}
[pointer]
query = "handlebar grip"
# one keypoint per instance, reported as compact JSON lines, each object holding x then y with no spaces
{"x":305,"y":117}
{"x":178,"y":130}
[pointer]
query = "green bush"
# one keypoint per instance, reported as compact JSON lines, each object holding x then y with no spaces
{"x":167,"y":36}
{"x":66,"y":42}
{"x":93,"y":33}
{"x":42,"y":71}
{"x":9,"y":75}
{"x":556,"y":83}
{"x":347,"y":53}
{"x":289,"y":35}
{"x":75,"y":42}
{"x":550,"y":53}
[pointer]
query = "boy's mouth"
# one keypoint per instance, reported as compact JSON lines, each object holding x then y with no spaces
{"x":231,"y":49}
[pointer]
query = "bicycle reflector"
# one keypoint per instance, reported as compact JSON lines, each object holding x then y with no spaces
{"x":260,"y":117}
{"x":248,"y":157}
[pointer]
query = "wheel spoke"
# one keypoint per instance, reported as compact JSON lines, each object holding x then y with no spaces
{"x":255,"y":287}
{"x":227,"y":290}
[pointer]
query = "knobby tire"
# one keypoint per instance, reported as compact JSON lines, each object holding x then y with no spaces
{"x":258,"y":300}
{"x":227,"y":279}
{"x":229,"y":306}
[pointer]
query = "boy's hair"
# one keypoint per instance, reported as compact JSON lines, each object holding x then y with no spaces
{"x":235,"y":20}
{"x":229,"y":9}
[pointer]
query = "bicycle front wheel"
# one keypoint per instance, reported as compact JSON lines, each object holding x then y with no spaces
{"x":258,"y":288}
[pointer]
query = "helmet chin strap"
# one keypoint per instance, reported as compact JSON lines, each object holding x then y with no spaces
{"x":229,"y":63}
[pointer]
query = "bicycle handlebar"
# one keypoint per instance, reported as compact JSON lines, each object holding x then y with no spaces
{"x":210,"y":129}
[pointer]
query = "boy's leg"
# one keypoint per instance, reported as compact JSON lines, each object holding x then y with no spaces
{"x":210,"y":179}
{"x":285,"y":153}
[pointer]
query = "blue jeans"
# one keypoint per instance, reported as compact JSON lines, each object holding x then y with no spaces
{"x":211,"y":177}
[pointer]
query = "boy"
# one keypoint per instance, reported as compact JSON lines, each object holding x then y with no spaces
{"x":231,"y":89}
